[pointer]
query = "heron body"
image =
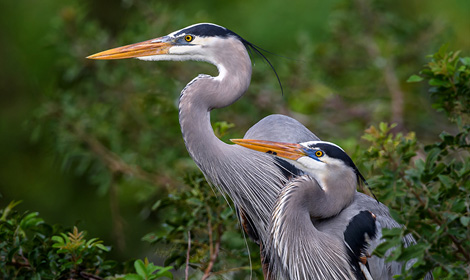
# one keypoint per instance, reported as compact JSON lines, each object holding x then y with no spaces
{"x":251,"y":179}
{"x":299,"y":250}
{"x":299,"y":247}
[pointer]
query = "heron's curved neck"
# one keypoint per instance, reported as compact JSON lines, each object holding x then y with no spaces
{"x":205,"y":93}
{"x":250,"y":178}
{"x":302,"y":200}
{"x":295,"y":239}
{"x":335,"y":194}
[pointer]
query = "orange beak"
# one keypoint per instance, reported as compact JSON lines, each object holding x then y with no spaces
{"x":280,"y":149}
{"x":146,"y":48}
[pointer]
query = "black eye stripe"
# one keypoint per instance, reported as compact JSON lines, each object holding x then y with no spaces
{"x":333,"y":151}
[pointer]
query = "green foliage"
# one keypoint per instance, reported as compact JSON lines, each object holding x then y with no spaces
{"x":148,"y":271}
{"x":33,"y":249}
{"x":360,"y":70}
{"x":197,"y":222}
{"x":448,"y":74}
{"x":75,"y":250}
{"x":428,"y":188}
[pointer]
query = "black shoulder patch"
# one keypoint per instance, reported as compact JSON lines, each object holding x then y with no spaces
{"x":354,"y":236}
{"x":207,"y":30}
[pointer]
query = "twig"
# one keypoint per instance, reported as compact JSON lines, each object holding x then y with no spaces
{"x":388,"y":71}
{"x":114,"y":163}
{"x":220,"y":272}
{"x":186,"y":271}
{"x":211,"y":246}
{"x":214,"y":254}
{"x":394,"y":88}
{"x":117,"y":220}
{"x":435,"y":217}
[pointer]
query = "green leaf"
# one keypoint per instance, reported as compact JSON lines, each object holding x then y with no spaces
{"x":140,"y":268}
{"x":431,"y":158}
{"x":102,"y":247}
{"x":383,"y":127}
{"x":195,"y":201}
{"x":133,"y":277}
{"x":164,"y":272}
{"x":465,"y":61}
{"x":465,"y":220}
{"x":439,"y":83}
{"x":414,"y":251}
{"x":156,"y":205}
{"x":89,"y":243}
{"x":151,"y":268}
{"x":58,"y":241}
{"x":31,"y":220}
{"x":446,"y":181}
{"x":414,"y":79}
{"x":12,"y":253}
{"x":7,"y":210}
{"x":442,"y":51}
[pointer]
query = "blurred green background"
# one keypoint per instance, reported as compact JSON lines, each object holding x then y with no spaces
{"x":65,"y":120}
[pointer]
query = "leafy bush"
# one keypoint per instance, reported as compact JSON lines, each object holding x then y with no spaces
{"x":32,"y":249}
{"x":427,"y":187}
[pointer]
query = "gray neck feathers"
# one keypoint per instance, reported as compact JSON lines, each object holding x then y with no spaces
{"x":338,"y":192}
{"x":297,"y":249}
{"x":251,"y":179}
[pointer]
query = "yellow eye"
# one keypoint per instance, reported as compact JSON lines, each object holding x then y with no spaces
{"x":319,"y":153}
{"x":188,"y":38}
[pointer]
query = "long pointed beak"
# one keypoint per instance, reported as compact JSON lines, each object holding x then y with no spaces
{"x":280,"y":149}
{"x":146,"y":48}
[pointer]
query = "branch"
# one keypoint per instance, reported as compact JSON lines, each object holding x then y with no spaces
{"x":117,"y":220}
{"x":214,"y":254}
{"x":114,"y":163}
{"x":393,"y":86}
{"x":186,"y":271}
{"x":435,"y":218}
{"x":388,"y":71}
{"x":234,"y":269}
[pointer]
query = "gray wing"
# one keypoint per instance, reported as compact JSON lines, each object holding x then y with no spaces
{"x":379,"y":269}
{"x":280,"y":128}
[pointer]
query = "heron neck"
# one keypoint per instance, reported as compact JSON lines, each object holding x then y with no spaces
{"x":295,"y":240}
{"x":205,"y":93}
{"x":337,"y":193}
{"x":250,"y":178}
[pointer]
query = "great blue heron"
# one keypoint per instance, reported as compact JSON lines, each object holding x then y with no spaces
{"x":251,"y":179}
{"x":300,"y":245}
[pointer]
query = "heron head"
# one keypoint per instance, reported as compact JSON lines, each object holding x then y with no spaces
{"x":195,"y":42}
{"x":317,"y":158}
